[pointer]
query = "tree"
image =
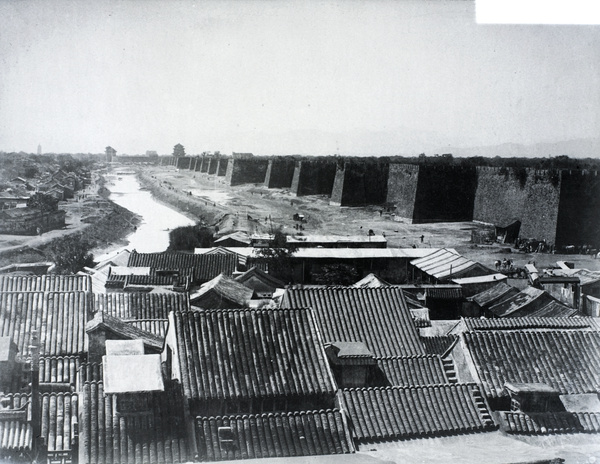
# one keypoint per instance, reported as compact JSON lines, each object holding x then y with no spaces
{"x":336,"y":274}
{"x":187,"y":238}
{"x":178,"y":150}
{"x":72,"y":254}
{"x":278,"y":256}
{"x":42,"y":202}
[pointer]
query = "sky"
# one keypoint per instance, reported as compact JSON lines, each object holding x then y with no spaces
{"x":353,"y":77}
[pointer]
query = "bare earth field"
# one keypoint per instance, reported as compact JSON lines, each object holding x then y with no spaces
{"x":321,"y":218}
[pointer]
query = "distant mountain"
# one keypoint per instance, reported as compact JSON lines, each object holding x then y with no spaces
{"x":577,"y":148}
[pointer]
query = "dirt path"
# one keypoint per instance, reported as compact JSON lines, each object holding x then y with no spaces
{"x":278,"y":206}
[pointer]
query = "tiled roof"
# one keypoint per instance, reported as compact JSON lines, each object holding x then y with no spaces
{"x":371,"y":280}
{"x":413,"y":370}
{"x":565,"y":360}
{"x":439,"y":344}
{"x":219,"y":291}
{"x":206,"y":266}
{"x":494,"y":295}
{"x":45,"y":283}
{"x":550,"y":422}
{"x":141,"y":306}
{"x":124,"y":330}
{"x":59,"y":318}
{"x":251,"y":353}
{"x":444,"y":293}
{"x":58,"y":415}
{"x":257,"y":273}
{"x":395,"y":413}
{"x":90,"y":372}
{"x":519,"y":323}
{"x":59,"y":369}
{"x":553,"y":309}
{"x":527,"y":302}
{"x":154,"y":326}
{"x":154,"y":437}
{"x":447,"y":263}
{"x":378,"y":317}
{"x":270,"y":435}
{"x":15,"y":432}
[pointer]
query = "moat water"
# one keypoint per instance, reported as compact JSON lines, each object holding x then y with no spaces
{"x":152,"y":235}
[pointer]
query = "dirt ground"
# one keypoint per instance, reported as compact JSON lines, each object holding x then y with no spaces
{"x":278,"y":207}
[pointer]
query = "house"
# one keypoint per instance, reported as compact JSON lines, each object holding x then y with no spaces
{"x":474,"y":285}
{"x":45,"y":283}
{"x":131,"y":416}
{"x":444,"y":265}
{"x":559,"y":352}
{"x":371,"y":281}
{"x":221,"y":293}
{"x":256,"y":383}
{"x":248,"y":361}
{"x":444,"y":301}
{"x":334,"y":241}
{"x":262,"y":284}
{"x":383,"y":323}
{"x":59,"y":318}
{"x":235,"y":239}
{"x":404,"y":412}
{"x":30,"y":221}
{"x":205,"y":266}
{"x":145,"y":311}
{"x":531,"y":302}
{"x":104,"y":328}
{"x":272,"y":435}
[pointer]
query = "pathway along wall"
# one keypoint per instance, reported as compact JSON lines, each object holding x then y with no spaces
{"x":532,"y":196}
{"x":246,"y":171}
{"x":360,"y":183}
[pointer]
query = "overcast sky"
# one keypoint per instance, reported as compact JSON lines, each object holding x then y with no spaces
{"x":276,"y":77}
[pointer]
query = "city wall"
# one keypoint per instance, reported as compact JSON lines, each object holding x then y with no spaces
{"x":222,"y":166}
{"x":358,"y":184}
{"x":313,"y":177}
{"x":280,"y":173}
{"x":578,"y":221}
{"x":212,"y":165}
{"x":402,"y":188}
{"x":246,"y":171}
{"x":445,"y":194}
{"x":532,"y":196}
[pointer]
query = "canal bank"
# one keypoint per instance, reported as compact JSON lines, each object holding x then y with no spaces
{"x":202,"y":210}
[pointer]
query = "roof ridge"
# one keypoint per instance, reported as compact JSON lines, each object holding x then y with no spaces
{"x":271,"y":414}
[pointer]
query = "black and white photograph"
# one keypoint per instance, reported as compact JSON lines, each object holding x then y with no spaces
{"x":304,"y":232}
